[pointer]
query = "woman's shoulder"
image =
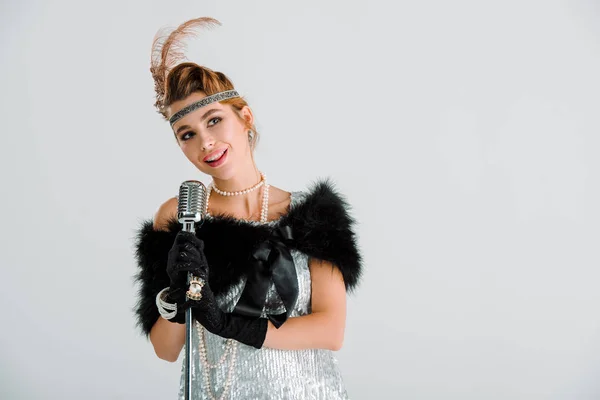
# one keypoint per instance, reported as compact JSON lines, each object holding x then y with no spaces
{"x":319,"y":200}
{"x":322,"y":224}
{"x":165,"y":213}
{"x":320,"y":191}
{"x":279,"y":202}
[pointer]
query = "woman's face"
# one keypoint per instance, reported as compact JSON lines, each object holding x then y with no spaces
{"x":213,"y":137}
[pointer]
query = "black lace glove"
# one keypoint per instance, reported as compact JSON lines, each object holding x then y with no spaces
{"x":186,"y":255}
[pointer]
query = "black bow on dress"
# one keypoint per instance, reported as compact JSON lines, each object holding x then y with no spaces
{"x":271,"y":261}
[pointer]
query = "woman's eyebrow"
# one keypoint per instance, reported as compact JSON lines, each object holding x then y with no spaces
{"x":204,"y":116}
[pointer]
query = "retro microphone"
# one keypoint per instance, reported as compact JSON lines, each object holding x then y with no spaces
{"x":190,"y":210}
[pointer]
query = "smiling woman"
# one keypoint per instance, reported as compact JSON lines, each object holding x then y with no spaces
{"x":215,"y":129}
{"x":274,"y":266}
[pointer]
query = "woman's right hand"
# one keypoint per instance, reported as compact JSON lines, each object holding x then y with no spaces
{"x":186,"y":255}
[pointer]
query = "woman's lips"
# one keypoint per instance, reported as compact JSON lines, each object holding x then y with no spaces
{"x":220,"y":160}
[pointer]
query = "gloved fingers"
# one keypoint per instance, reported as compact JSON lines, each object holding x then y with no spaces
{"x":178,"y":270}
{"x":189,"y":239}
{"x":186,"y":260}
{"x":184,"y":252}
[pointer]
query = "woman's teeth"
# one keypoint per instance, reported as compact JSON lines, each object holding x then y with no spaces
{"x":216,"y":157}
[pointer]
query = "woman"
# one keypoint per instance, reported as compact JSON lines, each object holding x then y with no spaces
{"x":274,"y":266}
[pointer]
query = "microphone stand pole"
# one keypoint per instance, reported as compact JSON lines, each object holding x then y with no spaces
{"x":189,"y":227}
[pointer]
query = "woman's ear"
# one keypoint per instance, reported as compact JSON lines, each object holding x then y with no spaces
{"x":247,"y":115}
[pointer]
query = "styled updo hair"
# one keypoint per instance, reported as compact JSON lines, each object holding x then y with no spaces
{"x":174,"y":82}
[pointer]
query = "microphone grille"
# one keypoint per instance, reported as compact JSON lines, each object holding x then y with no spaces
{"x":192,"y":201}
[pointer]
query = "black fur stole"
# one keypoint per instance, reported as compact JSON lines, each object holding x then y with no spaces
{"x":319,"y":223}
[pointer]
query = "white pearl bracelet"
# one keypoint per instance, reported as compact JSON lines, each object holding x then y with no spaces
{"x":166,"y":310}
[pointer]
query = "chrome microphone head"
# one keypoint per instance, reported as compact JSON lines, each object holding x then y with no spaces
{"x":192,"y":201}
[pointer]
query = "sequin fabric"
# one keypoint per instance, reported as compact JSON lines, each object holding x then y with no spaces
{"x":267,"y":374}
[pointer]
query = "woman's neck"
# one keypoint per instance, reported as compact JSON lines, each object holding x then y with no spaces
{"x":247,"y":205}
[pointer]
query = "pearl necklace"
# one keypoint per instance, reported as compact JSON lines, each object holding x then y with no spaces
{"x":231,"y":345}
{"x":264,"y":210}
{"x":263,"y":180}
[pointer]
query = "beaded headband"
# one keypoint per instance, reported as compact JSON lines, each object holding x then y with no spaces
{"x":228,"y":94}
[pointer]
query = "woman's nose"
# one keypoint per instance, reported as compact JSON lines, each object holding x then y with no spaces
{"x":206,"y":141}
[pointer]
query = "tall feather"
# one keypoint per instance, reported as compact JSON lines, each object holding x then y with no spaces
{"x":168,"y":51}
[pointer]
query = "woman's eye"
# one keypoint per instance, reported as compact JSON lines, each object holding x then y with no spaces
{"x":214,"y":119}
{"x":184,"y":138}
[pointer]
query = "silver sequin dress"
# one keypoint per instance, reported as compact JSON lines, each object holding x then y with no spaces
{"x":261,"y":374}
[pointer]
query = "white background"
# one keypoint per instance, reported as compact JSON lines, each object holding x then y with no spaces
{"x":465,"y":134}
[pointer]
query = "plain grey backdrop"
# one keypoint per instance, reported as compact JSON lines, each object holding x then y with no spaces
{"x":465,"y":134}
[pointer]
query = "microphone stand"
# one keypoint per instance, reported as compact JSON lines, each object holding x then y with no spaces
{"x":188,"y":227}
{"x":192,"y":202}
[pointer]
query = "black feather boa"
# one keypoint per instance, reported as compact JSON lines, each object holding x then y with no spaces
{"x":320,"y":224}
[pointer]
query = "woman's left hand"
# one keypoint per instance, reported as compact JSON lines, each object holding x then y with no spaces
{"x":247,"y":330}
